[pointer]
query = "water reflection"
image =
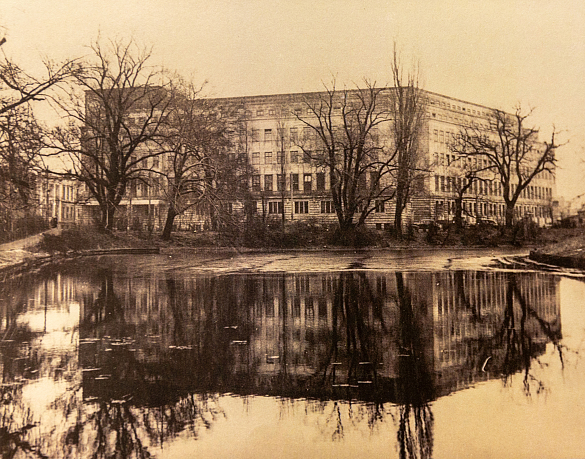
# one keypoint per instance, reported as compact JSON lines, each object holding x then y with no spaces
{"x":105,"y":362}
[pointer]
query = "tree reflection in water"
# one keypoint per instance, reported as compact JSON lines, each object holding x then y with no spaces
{"x":157,"y":352}
{"x":415,"y":384}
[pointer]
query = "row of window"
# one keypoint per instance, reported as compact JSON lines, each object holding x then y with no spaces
{"x":327,"y":207}
{"x":488,"y":209}
{"x":487,"y":188}
{"x":485,"y":209}
{"x":298,"y":111}
{"x":300,"y":207}
{"x":270,"y":135}
{"x":293,"y":157}
{"x":296,"y":134}
{"x":449,"y":106}
{"x":293,"y":181}
{"x":478,"y":187}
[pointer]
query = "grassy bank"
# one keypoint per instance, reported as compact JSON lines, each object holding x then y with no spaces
{"x":312,"y":237}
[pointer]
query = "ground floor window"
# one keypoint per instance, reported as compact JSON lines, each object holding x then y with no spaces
{"x":327,"y":207}
{"x":301,"y":207}
{"x":275,"y":207}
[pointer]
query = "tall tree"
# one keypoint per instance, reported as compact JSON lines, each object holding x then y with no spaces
{"x":20,"y":146}
{"x":509,"y":148}
{"x":197,"y":158}
{"x":281,"y":126}
{"x":17,"y":87}
{"x":344,"y":137}
{"x":407,"y":108}
{"x":20,"y":133}
{"x":117,"y":126}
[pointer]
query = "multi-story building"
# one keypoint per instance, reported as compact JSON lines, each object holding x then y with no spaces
{"x":58,"y":200}
{"x":284,"y":175}
{"x":273,"y":133}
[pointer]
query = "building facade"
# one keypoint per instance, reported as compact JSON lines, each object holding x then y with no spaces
{"x":59,"y":200}
{"x":273,"y":132}
{"x":275,"y":140}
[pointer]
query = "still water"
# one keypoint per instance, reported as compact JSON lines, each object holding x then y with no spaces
{"x":135,"y":357}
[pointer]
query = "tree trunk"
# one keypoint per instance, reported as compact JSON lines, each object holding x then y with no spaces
{"x":509,"y":214}
{"x":108,"y":212}
{"x":400,"y":205}
{"x":459,"y":212}
{"x":168,"y":229}
{"x":346,"y":231}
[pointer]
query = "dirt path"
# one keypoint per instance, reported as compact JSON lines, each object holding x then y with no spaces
{"x":15,"y":251}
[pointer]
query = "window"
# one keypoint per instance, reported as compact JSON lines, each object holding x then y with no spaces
{"x":301,"y":207}
{"x":155,"y":163}
{"x":267,"y":135}
{"x":280,"y":182}
{"x":275,"y":207}
{"x":307,"y":156}
{"x":280,"y":157}
{"x":320,"y":181}
{"x":268,"y":157}
{"x":379,"y":206}
{"x":256,"y":157}
{"x":294,"y":157}
{"x":255,"y":135}
{"x":271,"y":111}
{"x":294,"y":134}
{"x":436,"y":183}
{"x":255,"y":183}
{"x":295,"y":182}
{"x":268,"y":182}
{"x":259,"y":112}
{"x":327,"y":207}
{"x":307,"y":183}
{"x":374,"y":181}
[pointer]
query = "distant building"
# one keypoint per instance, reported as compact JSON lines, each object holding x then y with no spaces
{"x":59,"y":200}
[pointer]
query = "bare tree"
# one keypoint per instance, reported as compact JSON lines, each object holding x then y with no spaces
{"x":407,"y":108}
{"x":196,"y":147}
{"x":511,"y":150}
{"x":17,"y":87}
{"x":20,"y":145}
{"x":117,"y":127}
{"x":465,"y":175}
{"x":281,"y":160}
{"x":344,"y":127}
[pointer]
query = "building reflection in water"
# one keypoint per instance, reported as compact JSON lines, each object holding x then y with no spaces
{"x":138,"y":359}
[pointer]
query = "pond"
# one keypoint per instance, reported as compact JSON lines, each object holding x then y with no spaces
{"x":339,"y":355}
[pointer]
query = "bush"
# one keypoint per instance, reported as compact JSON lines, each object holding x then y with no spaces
{"x":22,"y":227}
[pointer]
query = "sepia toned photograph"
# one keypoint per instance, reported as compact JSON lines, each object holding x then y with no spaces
{"x":327,"y":229}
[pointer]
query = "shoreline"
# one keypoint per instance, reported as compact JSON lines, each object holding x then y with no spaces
{"x":32,"y":253}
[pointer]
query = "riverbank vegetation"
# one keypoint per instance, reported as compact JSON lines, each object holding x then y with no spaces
{"x":311,"y":235}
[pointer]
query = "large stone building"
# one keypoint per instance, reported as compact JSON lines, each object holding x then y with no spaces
{"x":272,"y":131}
{"x":276,"y":125}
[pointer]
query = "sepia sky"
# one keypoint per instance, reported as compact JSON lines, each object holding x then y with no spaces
{"x":498,"y":53}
